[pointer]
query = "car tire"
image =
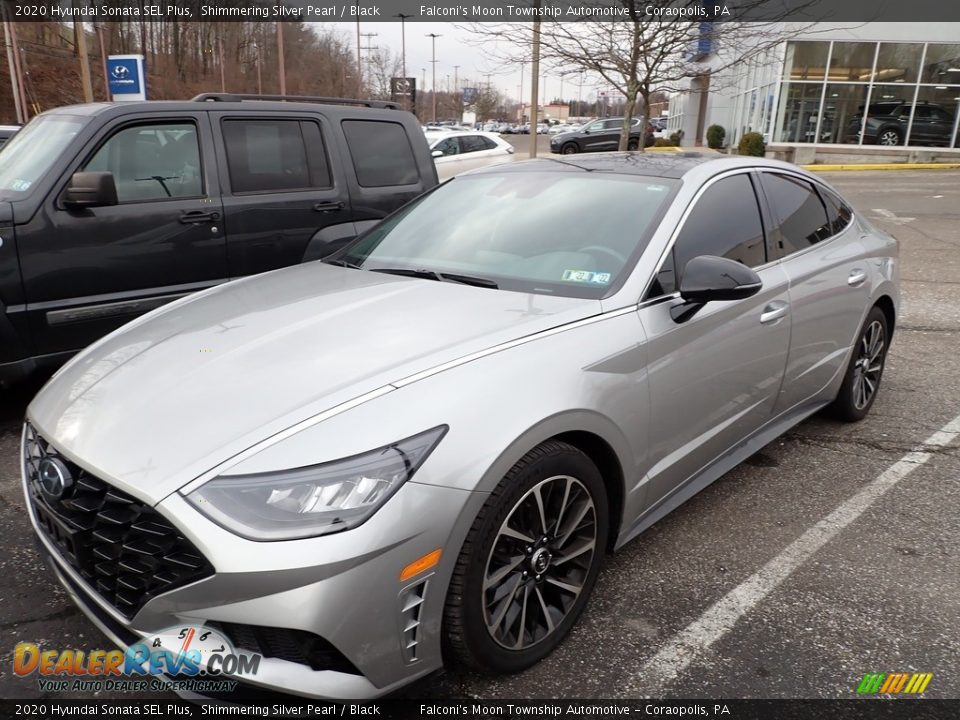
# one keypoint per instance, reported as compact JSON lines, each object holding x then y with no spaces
{"x":889,"y":136}
{"x":569,"y":149}
{"x":861,"y":383}
{"x":633,"y":144}
{"x":501,"y":614}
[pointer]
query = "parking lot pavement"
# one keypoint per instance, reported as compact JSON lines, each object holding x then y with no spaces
{"x":823,"y":557}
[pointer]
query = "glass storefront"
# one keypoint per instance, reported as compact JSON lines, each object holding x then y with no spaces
{"x":872,"y":93}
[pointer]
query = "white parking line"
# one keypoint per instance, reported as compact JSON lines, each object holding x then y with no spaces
{"x":691,"y":643}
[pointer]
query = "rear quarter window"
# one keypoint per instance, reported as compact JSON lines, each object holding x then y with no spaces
{"x":381,"y":153}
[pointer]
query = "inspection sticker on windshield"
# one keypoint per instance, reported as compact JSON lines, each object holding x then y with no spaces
{"x":20,"y":185}
{"x":586,"y":276}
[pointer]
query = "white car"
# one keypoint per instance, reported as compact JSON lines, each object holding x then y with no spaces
{"x":457,"y":152}
{"x":562,"y":127}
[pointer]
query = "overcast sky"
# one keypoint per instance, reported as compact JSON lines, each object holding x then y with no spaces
{"x":453,"y":49}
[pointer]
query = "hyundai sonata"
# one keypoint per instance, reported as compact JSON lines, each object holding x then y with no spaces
{"x":419,"y":450}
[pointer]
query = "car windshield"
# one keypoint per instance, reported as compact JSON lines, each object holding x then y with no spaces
{"x":559,"y":233}
{"x":27,"y":156}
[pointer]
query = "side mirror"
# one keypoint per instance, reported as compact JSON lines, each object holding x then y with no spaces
{"x":707,"y":278}
{"x":90,"y":189}
{"x":437,"y":153}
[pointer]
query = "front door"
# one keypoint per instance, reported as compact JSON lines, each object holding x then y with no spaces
{"x":88,"y":271}
{"x":714,"y":378}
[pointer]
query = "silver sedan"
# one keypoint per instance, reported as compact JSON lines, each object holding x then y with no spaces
{"x":420,"y":450}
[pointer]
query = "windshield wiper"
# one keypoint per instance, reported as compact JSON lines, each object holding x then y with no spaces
{"x":342,"y":263}
{"x":440,"y":276}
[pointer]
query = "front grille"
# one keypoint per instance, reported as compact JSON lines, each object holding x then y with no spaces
{"x":296,"y":646}
{"x":127,"y":551}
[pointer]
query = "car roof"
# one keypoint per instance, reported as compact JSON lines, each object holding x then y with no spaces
{"x":266,"y":106}
{"x":654,"y":164}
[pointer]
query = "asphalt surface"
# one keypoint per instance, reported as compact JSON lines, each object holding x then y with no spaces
{"x":881,"y":594}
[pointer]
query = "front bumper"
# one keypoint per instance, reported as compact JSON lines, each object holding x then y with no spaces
{"x":343,"y":588}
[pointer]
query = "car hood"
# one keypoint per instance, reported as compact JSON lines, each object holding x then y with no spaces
{"x":177,"y":392}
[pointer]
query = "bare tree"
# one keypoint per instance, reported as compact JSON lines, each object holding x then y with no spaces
{"x":382,"y":65}
{"x":655,"y":47}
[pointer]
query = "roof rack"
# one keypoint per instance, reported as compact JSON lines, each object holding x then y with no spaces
{"x":235,"y":97}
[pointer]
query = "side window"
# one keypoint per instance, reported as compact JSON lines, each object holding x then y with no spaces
{"x":839,"y":213}
{"x":275,"y":155}
{"x":475,"y":143}
{"x":724,"y":222}
{"x":800,"y":216}
{"x":596,"y":126}
{"x":450,"y":146}
{"x":381,"y":153}
{"x":152,"y":162}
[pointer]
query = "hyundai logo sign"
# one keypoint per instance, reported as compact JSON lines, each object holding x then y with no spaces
{"x":126,"y":76}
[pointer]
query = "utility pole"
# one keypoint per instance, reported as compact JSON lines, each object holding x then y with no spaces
{"x":403,"y":40}
{"x":369,"y":47}
{"x":103,"y":60}
{"x":280,"y":62}
{"x":80,"y":35}
{"x":456,"y":93}
{"x":18,"y":68}
{"x":256,"y":46}
{"x":433,"y":39}
{"x":359,"y":65}
{"x":520,"y":94}
{"x":14,"y":80}
{"x":534,"y":90}
{"x":223,"y":77}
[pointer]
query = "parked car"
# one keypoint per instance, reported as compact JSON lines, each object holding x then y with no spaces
{"x":601,"y":135}
{"x":421,"y":449}
{"x":887,"y":123}
{"x":560,"y":128}
{"x":110,"y":210}
{"x":457,"y":152}
{"x":542,"y":128}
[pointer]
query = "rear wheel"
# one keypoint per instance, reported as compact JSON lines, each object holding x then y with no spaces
{"x":862,"y":381}
{"x":633,"y":144}
{"x":529,"y":563}
{"x":569,"y":149}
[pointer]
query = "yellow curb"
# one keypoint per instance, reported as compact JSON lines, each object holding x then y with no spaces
{"x":669,"y":148}
{"x":884,"y":166}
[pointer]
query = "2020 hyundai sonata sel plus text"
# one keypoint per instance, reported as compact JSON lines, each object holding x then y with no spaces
{"x":420,"y":450}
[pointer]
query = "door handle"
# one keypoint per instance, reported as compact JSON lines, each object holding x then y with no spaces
{"x":856,"y":278}
{"x":198,"y":216}
{"x":328,"y":206}
{"x":773,"y":312}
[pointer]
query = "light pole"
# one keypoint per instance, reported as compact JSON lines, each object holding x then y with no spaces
{"x":403,"y":40}
{"x":359,"y":65}
{"x":458,"y":104}
{"x":520,"y":119}
{"x":281,"y":67}
{"x":433,"y":39}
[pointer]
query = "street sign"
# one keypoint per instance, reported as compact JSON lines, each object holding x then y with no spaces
{"x":403,"y":90}
{"x":126,"y":77}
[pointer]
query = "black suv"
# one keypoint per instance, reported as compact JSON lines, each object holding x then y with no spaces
{"x":109,"y":210}
{"x":887,"y":124}
{"x":600,"y":136}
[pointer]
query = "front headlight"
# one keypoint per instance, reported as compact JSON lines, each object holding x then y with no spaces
{"x":314,"y":500}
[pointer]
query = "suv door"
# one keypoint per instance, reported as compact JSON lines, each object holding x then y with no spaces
{"x":597,"y":136}
{"x":713,"y":379}
{"x":829,"y":281}
{"x":88,"y":271}
{"x":281,"y":188}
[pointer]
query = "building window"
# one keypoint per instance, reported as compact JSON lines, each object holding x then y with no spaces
{"x":898,"y":62}
{"x":806,"y":60}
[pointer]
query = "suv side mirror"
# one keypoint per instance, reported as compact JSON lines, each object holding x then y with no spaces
{"x":707,"y":278}
{"x":90,"y":189}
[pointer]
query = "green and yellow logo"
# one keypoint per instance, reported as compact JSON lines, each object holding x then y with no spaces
{"x":894,"y":683}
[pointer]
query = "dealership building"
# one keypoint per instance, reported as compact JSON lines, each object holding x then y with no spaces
{"x":834,"y":89}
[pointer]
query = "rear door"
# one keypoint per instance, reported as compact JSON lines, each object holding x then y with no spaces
{"x":280,"y":186}
{"x":479,"y":151}
{"x":88,"y":271}
{"x":714,"y":379}
{"x":822,"y":255}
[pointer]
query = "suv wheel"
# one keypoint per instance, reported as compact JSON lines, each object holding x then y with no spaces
{"x":889,"y":136}
{"x":633,"y":144}
{"x":569,"y":149}
{"x":529,"y":562}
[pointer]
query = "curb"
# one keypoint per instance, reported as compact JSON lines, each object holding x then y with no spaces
{"x":883,"y":166}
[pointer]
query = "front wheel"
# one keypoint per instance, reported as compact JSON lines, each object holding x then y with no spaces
{"x":862,"y":381}
{"x":633,"y":145}
{"x":569,"y":149}
{"x":889,"y":136}
{"x":529,"y":562}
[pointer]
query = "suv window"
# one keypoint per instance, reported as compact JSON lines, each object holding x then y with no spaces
{"x":799,"y":214}
{"x":476,"y":143}
{"x":275,"y":155}
{"x":381,"y":153}
{"x":724,"y":222}
{"x":152,"y":162}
